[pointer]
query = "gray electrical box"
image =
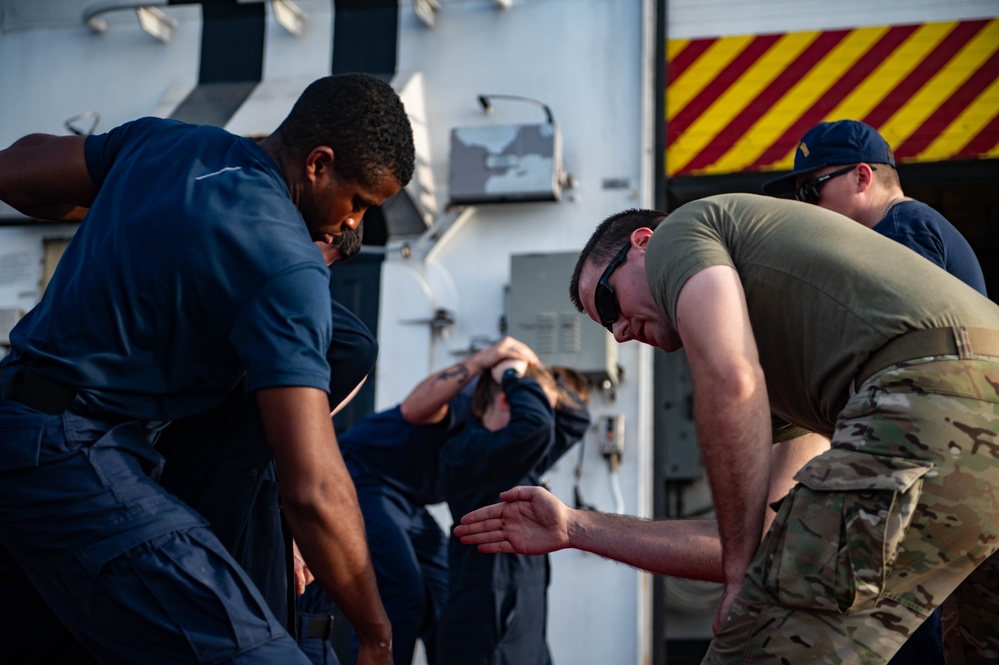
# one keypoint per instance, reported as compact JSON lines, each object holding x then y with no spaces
{"x":505,"y":163}
{"x":543,"y":317}
{"x":675,"y":433}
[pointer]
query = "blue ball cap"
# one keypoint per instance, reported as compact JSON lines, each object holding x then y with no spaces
{"x":831,"y":144}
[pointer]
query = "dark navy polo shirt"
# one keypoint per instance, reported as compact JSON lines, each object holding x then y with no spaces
{"x":192,"y":267}
{"x":928,"y":233}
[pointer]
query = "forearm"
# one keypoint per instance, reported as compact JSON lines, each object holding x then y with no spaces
{"x":787,"y":459}
{"x":734,"y":435}
{"x":427,"y":402}
{"x":679,"y":548}
{"x":56,"y":212}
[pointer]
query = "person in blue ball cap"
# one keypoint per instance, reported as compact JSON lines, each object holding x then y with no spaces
{"x":848,"y":167}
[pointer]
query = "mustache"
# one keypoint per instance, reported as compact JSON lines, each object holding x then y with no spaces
{"x":348,"y":243}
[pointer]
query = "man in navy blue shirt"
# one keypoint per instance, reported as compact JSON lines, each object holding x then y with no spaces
{"x":194,"y":269}
{"x":848,"y":167}
{"x":220,"y":464}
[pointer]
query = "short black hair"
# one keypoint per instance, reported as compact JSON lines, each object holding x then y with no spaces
{"x":887,"y":175}
{"x":362,"y":119}
{"x":608,"y":239}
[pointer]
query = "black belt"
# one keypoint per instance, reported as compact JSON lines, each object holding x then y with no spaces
{"x":314,"y":626}
{"x":961,"y":341}
{"x":36,"y":392}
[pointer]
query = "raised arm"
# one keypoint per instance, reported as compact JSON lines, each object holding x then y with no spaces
{"x":46,"y":177}
{"x":518,"y":448}
{"x":427,"y":402}
{"x":320,"y":505}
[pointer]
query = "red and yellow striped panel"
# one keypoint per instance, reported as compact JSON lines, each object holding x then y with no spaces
{"x":742,"y":103}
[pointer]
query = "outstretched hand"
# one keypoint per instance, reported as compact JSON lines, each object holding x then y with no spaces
{"x":530,"y":520}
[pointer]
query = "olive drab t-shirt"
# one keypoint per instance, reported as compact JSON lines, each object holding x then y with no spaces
{"x":823,"y":292}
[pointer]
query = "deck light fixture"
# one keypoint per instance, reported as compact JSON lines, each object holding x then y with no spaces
{"x":152,"y":20}
{"x":487,"y":106}
{"x":289,"y":16}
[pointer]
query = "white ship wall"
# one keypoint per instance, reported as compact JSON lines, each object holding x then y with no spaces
{"x":591,"y":61}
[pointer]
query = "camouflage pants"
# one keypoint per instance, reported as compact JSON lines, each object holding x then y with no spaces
{"x":883,"y":527}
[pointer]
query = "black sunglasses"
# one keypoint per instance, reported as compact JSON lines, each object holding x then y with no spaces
{"x":603,"y":296}
{"x":809,"y":190}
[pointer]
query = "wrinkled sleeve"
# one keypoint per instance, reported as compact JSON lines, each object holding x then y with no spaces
{"x":283,"y":333}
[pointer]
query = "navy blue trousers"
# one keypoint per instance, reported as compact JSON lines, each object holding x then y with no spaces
{"x":319,"y":650}
{"x":924,"y":646}
{"x":409,"y":552}
{"x":495,"y":622}
{"x":131,"y":571}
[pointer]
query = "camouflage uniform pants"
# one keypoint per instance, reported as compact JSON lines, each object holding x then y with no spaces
{"x":883,"y":527}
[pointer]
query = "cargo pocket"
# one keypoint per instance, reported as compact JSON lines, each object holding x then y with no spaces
{"x":838,"y":533}
{"x":21,"y":441}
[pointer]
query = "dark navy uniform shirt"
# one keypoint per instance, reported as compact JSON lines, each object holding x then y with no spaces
{"x":164,"y":299}
{"x":928,"y":233}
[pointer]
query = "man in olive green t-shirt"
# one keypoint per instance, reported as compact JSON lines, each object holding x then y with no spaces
{"x":793,"y":309}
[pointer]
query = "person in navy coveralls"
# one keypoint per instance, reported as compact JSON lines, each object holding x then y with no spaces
{"x":523,"y":421}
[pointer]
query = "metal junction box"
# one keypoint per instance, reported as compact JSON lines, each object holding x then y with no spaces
{"x":505,"y":163}
{"x":542,"y":316}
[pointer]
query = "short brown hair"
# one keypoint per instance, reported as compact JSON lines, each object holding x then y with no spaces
{"x":887,"y":176}
{"x":608,"y":239}
{"x":574,"y":382}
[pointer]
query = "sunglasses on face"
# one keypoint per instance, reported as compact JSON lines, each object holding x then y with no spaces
{"x":603,"y":296}
{"x":809,"y":190}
